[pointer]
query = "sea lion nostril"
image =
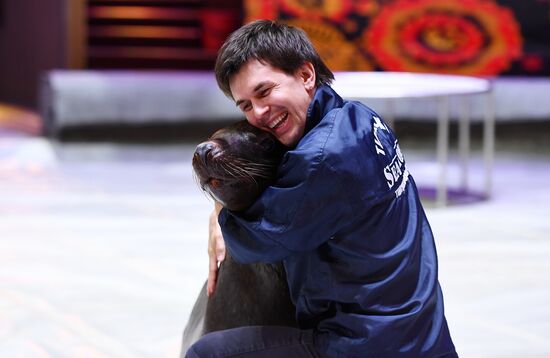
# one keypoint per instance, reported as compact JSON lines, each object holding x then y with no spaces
{"x":196,"y":157}
{"x":202,"y":151}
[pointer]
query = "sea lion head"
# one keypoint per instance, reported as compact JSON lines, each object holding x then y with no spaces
{"x":236,"y":164}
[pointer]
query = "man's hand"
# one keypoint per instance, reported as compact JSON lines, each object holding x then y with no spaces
{"x":216,"y":249}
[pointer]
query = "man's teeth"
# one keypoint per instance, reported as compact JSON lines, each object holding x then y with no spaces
{"x":278,"y":121}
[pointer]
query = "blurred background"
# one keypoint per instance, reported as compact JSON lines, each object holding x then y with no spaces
{"x":103,"y":229}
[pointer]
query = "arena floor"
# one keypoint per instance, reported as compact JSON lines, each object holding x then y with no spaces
{"x":103,"y":250}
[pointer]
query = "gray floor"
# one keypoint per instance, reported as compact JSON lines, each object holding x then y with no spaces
{"x":103,"y":251}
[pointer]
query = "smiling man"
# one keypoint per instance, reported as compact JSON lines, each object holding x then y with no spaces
{"x":344,"y":215}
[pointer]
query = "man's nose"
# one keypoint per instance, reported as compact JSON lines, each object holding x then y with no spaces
{"x":260,"y":110}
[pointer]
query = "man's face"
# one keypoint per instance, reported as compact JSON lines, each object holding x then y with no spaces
{"x":273,"y":100}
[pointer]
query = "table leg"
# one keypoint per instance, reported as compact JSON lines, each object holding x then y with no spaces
{"x":464,"y":140}
{"x":442,"y":149}
{"x":389,"y":118}
{"x":489,"y":142}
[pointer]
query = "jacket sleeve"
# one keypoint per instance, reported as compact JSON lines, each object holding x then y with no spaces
{"x":305,"y":207}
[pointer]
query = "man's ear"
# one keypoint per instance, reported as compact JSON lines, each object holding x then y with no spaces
{"x":307,"y":74}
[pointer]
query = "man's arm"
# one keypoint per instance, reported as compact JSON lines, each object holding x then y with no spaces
{"x":216,"y":248}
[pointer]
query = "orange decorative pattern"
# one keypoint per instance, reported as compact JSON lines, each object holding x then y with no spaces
{"x":335,"y":10}
{"x":264,"y":9}
{"x":454,"y":36}
{"x":366,"y":7}
{"x":338,"y":53}
{"x":472,"y":37}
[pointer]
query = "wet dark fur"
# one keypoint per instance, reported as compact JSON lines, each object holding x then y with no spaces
{"x":234,"y":166}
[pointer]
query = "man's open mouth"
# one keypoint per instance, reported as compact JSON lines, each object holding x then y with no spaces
{"x":278,"y":121}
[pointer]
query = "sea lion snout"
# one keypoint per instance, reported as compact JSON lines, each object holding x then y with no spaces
{"x":203,"y":151}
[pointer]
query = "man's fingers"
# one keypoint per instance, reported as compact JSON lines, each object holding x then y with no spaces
{"x":220,"y":248}
{"x":216,"y":249}
{"x":212,"y":276}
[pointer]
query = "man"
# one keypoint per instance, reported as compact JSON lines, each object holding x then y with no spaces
{"x":344,"y":215}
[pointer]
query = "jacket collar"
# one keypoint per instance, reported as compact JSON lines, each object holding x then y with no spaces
{"x":324,"y":100}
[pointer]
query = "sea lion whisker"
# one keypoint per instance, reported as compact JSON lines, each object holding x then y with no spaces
{"x":197,"y":180}
{"x":252,"y":172}
{"x":257,"y":167}
{"x":243,"y":173}
{"x":258,"y":171}
{"x":233,"y":167}
{"x":258,"y":174}
{"x":232,"y":170}
{"x":205,"y":192}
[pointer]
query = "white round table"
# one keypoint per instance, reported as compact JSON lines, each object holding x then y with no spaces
{"x":391,"y":86}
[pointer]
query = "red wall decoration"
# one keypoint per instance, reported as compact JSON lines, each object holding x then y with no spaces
{"x":473,"y":37}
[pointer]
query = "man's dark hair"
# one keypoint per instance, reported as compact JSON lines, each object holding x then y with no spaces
{"x":282,"y":46}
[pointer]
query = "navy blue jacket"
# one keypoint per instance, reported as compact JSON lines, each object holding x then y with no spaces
{"x":345,"y":218}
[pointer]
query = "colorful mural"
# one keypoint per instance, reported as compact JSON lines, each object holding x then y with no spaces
{"x":474,"y":37}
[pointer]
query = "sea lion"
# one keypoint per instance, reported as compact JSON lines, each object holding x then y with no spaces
{"x":234,"y":166}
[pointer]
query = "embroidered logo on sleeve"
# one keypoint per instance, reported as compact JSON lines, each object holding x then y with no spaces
{"x":395,"y":172}
{"x":378,"y":125}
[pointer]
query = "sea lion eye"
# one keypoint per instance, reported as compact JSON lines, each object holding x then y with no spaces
{"x":214,"y":183}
